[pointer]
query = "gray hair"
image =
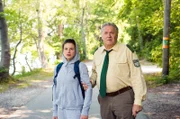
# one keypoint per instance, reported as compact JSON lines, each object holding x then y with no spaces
{"x":110,"y":24}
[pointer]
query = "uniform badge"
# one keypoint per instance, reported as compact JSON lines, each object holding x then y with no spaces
{"x":136,"y":63}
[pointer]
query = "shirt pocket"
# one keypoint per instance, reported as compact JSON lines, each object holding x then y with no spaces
{"x":99,"y":64}
{"x":121,"y":68}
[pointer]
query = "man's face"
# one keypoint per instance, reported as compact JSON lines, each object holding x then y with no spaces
{"x":109,"y":36}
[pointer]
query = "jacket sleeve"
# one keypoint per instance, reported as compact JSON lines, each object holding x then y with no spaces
{"x":137,"y":78}
{"x":88,"y":93}
{"x":55,"y":107}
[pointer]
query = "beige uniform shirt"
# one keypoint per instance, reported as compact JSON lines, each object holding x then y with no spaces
{"x":123,"y":71}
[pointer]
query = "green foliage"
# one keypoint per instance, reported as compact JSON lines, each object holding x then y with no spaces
{"x":140,"y":24}
{"x":4,"y":75}
{"x":4,"y":83}
{"x":26,"y":79}
{"x":3,"y":87}
{"x":174,"y":75}
{"x":153,"y":80}
{"x":57,"y":62}
{"x":157,"y":55}
{"x":3,"y":70}
{"x":145,"y":21}
{"x":24,"y":74}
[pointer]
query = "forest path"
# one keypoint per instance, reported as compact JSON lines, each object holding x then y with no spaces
{"x":35,"y":102}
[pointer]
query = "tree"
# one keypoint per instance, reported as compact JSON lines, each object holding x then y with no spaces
{"x":18,"y":43}
{"x":5,"y":48}
{"x":166,"y":39}
{"x":40,"y":45}
{"x":82,"y":30}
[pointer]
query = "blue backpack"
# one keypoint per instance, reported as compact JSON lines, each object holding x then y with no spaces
{"x":77,"y":74}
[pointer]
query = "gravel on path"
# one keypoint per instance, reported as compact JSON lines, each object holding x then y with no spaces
{"x":14,"y":98}
{"x":162,"y":102}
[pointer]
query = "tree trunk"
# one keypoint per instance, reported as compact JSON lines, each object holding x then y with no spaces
{"x":166,"y":38}
{"x":5,"y":48}
{"x":60,"y":30}
{"x":28,"y":63}
{"x":41,"y":53}
{"x":16,"y":47}
{"x":83,"y":35}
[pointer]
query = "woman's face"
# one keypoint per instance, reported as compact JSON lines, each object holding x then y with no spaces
{"x":69,"y":51}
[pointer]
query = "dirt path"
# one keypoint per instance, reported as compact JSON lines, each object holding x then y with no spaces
{"x":162,"y":102}
{"x":14,"y":98}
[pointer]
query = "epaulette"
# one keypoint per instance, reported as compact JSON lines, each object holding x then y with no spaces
{"x":130,"y":47}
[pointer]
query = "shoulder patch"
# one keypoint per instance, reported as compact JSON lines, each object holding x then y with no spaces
{"x":136,"y":63}
{"x":130,"y":47}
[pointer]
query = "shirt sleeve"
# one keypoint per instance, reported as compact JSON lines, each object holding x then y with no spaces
{"x":88,"y":93}
{"x":93,"y":75}
{"x":137,"y":78}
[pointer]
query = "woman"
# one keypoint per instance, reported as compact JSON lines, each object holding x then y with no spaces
{"x":68,"y":102}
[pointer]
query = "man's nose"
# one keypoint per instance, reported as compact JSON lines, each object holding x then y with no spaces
{"x":109,"y":34}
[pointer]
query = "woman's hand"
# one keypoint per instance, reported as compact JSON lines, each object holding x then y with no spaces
{"x":85,"y":86}
{"x":84,"y":117}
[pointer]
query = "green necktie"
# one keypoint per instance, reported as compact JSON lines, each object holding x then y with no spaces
{"x":103,"y":75}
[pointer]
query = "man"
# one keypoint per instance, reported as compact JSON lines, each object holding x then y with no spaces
{"x":118,"y":68}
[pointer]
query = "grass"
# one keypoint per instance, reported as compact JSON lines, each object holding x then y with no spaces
{"x":156,"y":79}
{"x":26,"y":79}
{"x":153,"y":80}
{"x":3,"y":87}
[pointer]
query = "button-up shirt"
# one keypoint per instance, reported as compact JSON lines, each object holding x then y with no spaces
{"x":123,"y":70}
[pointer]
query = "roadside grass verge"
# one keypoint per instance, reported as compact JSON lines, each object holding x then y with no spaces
{"x":26,"y":79}
{"x":153,"y":80}
{"x":156,"y":79}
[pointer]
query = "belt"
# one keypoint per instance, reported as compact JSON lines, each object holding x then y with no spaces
{"x":122,"y":90}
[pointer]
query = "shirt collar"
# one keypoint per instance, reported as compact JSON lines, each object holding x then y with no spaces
{"x":114,"y":48}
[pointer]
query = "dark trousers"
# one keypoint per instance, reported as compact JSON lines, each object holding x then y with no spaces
{"x":117,"y":107}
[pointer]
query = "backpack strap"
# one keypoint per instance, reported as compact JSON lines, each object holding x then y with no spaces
{"x":54,"y":80}
{"x":77,"y":74}
{"x":57,"y":70}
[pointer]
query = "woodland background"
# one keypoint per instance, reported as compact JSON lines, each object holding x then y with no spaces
{"x":32,"y":31}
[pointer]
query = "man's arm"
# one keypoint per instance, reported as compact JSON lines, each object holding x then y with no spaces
{"x":137,"y":78}
{"x":138,"y":82}
{"x":93,"y":75}
{"x":93,"y":78}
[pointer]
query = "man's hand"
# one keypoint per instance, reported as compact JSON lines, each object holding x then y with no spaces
{"x":55,"y":117}
{"x":84,"y":117}
{"x":85,"y":86}
{"x":136,"y":109}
